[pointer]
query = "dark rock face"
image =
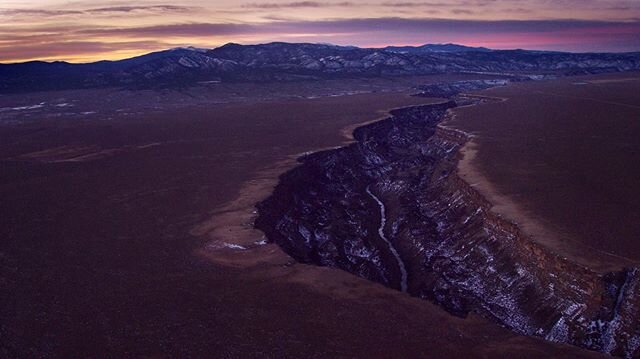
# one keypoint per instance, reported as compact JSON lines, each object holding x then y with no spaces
{"x":396,"y":190}
{"x":295,"y":62}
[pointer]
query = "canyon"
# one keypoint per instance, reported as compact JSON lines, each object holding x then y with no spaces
{"x":391,"y":208}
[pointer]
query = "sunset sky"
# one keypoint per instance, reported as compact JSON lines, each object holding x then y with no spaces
{"x":81,"y":31}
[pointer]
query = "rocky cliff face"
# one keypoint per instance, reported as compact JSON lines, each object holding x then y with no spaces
{"x":391,"y":208}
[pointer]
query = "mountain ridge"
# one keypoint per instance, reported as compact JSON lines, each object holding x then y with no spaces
{"x":281,"y":61}
{"x":448,"y":47}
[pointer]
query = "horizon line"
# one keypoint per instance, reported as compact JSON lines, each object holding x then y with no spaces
{"x":380,"y":47}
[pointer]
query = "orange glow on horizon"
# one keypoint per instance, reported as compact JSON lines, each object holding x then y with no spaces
{"x":86,"y":31}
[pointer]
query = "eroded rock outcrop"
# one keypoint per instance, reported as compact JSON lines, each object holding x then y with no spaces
{"x":455,"y":251}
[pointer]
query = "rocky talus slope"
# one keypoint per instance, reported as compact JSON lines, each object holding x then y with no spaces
{"x":391,"y":208}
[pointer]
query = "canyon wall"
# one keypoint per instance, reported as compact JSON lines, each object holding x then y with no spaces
{"x":391,"y":208}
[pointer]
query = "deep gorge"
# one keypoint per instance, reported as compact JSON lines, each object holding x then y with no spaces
{"x":456,"y":252}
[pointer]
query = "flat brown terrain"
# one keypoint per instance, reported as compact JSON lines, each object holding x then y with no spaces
{"x":103,"y":224}
{"x":560,"y":159}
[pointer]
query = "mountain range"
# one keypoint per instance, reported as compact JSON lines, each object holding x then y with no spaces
{"x":299,"y":61}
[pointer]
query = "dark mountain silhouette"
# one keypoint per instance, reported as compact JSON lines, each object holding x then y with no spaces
{"x":435,"y":48}
{"x":293,"y":62}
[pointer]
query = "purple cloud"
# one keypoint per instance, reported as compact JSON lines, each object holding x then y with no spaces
{"x":562,"y":35}
{"x":297,"y":4}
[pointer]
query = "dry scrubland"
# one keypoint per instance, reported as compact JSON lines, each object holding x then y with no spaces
{"x":101,"y":228}
{"x":560,"y":158}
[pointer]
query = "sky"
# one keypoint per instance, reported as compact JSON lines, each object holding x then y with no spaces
{"x":85,"y":31}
